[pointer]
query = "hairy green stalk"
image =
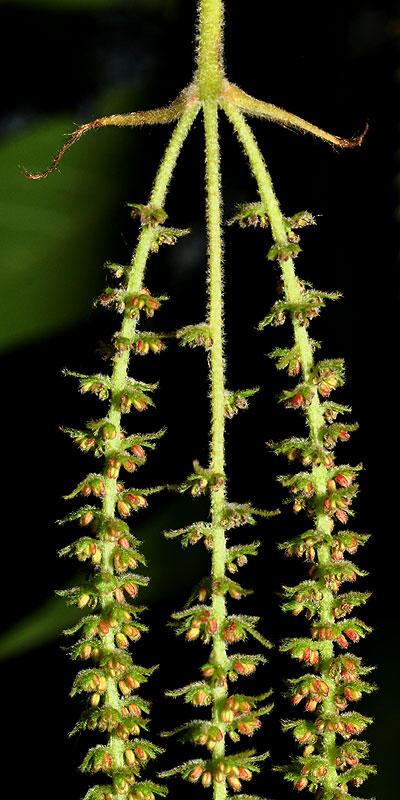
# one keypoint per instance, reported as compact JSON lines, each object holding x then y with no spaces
{"x":217,"y":459}
{"x":326,"y":766}
{"x":111,"y":546}
{"x":230,"y":714}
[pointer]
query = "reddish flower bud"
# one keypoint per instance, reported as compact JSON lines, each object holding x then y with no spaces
{"x":294,"y":368}
{"x":131,"y":589}
{"x":296,"y":699}
{"x":124,"y":688}
{"x":351,"y":634}
{"x":130,"y":757}
{"x":87,"y":518}
{"x":103,"y":628}
{"x":196,"y":773}
{"x":123,"y":508}
{"x":129,"y":465}
{"x":201,"y":698}
{"x":310,"y":705}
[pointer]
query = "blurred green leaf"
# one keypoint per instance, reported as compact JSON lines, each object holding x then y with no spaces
{"x":48,"y":621}
{"x":53,"y":231}
{"x":38,"y":628}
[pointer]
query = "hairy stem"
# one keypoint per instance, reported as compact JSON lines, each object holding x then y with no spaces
{"x":209,"y":54}
{"x":319,"y":475}
{"x":217,"y":455}
{"x":119,"y":377}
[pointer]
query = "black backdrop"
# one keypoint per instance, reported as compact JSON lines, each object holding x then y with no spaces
{"x":336,"y":66}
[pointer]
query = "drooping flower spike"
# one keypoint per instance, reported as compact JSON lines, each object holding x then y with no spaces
{"x":111,"y":547}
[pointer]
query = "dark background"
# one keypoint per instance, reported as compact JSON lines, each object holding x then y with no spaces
{"x":64,"y":63}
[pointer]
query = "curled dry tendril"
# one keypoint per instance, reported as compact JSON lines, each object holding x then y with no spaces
{"x":230,"y":94}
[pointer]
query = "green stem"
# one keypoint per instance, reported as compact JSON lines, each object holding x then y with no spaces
{"x":319,"y":475}
{"x":209,"y":53}
{"x":217,"y":454}
{"x":119,"y":377}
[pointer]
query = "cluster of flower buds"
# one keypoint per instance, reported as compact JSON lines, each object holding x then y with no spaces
{"x":326,"y":493}
{"x":201,"y":481}
{"x":283,"y":252}
{"x":147,"y":342}
{"x":299,"y":397}
{"x":196,"y":623}
{"x":113,"y":299}
{"x":96,"y":384}
{"x":328,"y":375}
{"x":150,"y":216}
{"x":167,"y":236}
{"x":250,"y":215}
{"x":196,"y":336}
{"x":288,"y":358}
{"x":232,"y":770}
{"x":208,"y":737}
{"x":112,"y":678}
{"x":143,"y":301}
{"x":240,"y":714}
{"x":237,"y":400}
{"x":128,"y":502}
{"x":302,"y":311}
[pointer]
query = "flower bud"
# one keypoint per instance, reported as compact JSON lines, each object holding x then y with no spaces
{"x":131,"y":589}
{"x":352,"y":634}
{"x":87,"y":518}
{"x":108,"y":431}
{"x":83,"y":600}
{"x":121,"y":640}
{"x":206,"y":778}
{"x":95,"y":699}
{"x":103,"y":628}
{"x":212,"y":626}
{"x":196,"y":773}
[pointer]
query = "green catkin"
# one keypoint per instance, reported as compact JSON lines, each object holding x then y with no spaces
{"x":112,"y":680}
{"x":332,"y":760}
{"x":325,"y":765}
